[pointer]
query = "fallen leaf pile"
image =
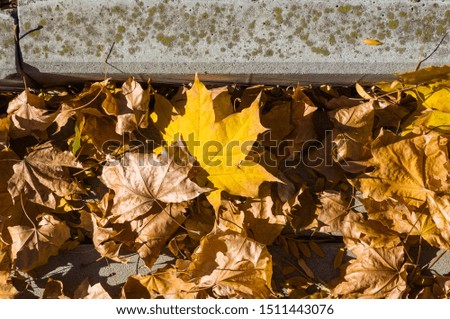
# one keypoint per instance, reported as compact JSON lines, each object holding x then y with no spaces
{"x":243,"y":186}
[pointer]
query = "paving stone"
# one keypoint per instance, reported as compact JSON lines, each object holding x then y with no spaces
{"x":73,"y":266}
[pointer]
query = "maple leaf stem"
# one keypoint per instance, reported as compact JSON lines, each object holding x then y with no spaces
{"x":88,"y":103}
{"x":25,"y":212}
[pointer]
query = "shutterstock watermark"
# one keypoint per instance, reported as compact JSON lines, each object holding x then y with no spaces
{"x":267,"y":151}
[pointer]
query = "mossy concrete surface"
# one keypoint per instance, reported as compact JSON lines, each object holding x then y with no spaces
{"x":270,"y":41}
{"x":7,"y":49}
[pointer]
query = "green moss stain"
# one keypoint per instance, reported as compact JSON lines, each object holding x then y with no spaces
{"x":268,"y":53}
{"x":121,"y":29}
{"x":118,"y":37}
{"x":27,"y":25}
{"x":152,"y":11}
{"x":393,"y":24}
{"x":332,"y":40}
{"x":251,"y":25}
{"x":278,"y":15}
{"x":70,"y":17}
{"x":165,"y":40}
{"x":321,"y":50}
{"x":345,"y":9}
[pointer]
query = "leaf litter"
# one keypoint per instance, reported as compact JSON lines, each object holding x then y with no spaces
{"x":243,"y":186}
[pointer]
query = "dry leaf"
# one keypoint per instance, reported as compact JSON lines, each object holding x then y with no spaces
{"x":32,"y":247}
{"x":54,"y":290}
{"x":134,"y":110}
{"x":233,"y":266}
{"x":167,"y":283}
{"x":7,"y":290}
{"x":409,"y":168}
{"x":86,"y":291}
{"x":335,"y":207}
{"x":28,"y":115}
{"x":375,"y":273}
{"x":142,"y":179}
{"x":154,"y":231}
{"x":44,"y":174}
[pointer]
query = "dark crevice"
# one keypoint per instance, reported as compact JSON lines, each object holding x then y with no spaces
{"x":8,"y":4}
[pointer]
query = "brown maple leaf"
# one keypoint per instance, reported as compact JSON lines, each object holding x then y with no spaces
{"x":407,"y":168}
{"x":142,"y":179}
{"x":375,"y":273}
{"x":29,"y":115}
{"x":32,"y":247}
{"x":44,"y":174}
{"x":232,"y":265}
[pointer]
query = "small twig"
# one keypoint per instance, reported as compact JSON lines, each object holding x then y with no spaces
{"x":107,"y":57}
{"x":39,"y":27}
{"x":435,"y":49}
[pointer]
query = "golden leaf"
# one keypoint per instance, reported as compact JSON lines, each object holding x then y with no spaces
{"x":221,"y":147}
{"x":372,"y":42}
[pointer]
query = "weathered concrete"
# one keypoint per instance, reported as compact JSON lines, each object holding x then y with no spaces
{"x":7,"y":50}
{"x":270,"y":41}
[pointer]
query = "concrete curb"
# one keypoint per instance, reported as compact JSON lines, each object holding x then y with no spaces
{"x":7,"y":50}
{"x":273,"y":42}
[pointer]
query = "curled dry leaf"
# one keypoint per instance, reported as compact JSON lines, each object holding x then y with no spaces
{"x":28,"y":115}
{"x":133,"y":107}
{"x":233,"y":266}
{"x":411,"y":221}
{"x":302,"y":119}
{"x":7,"y":290}
{"x":375,"y":273}
{"x":86,"y":291}
{"x":226,"y":264}
{"x":32,"y":247}
{"x":142,"y":179}
{"x":4,"y":132}
{"x":107,"y":240}
{"x":168,"y":283}
{"x":154,"y":231}
{"x":335,"y":206}
{"x":54,"y":289}
{"x":44,"y":174}
{"x":260,"y":219}
{"x":360,"y":233}
{"x":409,"y":168}
{"x":352,"y":132}
{"x":440,"y":213}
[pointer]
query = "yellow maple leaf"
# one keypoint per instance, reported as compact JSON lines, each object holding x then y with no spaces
{"x":221,"y":147}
